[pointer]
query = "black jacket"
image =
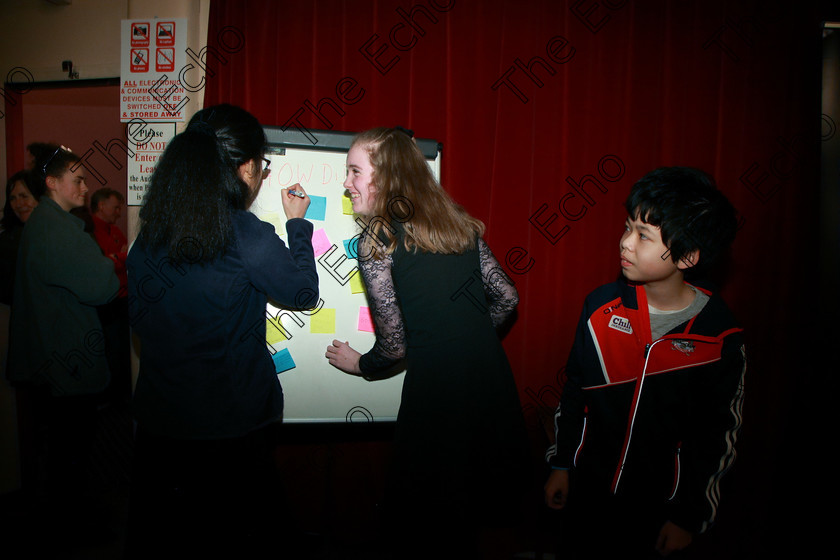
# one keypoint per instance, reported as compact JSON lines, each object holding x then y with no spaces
{"x":655,"y":420}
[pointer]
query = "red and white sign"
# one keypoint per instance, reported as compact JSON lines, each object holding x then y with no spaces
{"x":165,"y":35}
{"x":140,"y":34}
{"x":165,"y":60}
{"x":139,"y":60}
{"x":150,"y":88}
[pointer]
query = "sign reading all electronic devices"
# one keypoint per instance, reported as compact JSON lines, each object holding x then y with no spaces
{"x":151,"y":50}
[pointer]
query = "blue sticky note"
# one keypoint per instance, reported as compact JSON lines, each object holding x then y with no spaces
{"x":317,"y":208}
{"x":283,"y":361}
{"x":351,"y":247}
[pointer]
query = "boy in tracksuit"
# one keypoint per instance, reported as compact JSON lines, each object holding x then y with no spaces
{"x":651,"y":408}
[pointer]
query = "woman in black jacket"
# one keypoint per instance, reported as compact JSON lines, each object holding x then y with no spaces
{"x":207,"y":395}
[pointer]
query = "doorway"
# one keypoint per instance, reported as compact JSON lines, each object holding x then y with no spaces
{"x":83,"y":116}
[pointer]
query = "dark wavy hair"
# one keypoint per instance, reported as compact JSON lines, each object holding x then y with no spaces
{"x":689,"y":210}
{"x":196,"y":186}
{"x":49,"y":160}
{"x":10,"y":219}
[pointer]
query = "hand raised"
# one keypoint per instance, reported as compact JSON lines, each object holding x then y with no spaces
{"x":295,"y":205}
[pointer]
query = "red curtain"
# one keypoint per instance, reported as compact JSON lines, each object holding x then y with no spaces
{"x":548,"y":111}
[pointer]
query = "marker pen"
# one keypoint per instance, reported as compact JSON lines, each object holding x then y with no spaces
{"x":297,"y":194}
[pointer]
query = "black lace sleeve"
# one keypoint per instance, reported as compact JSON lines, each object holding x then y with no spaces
{"x":499,"y":290}
{"x":390,"y":344}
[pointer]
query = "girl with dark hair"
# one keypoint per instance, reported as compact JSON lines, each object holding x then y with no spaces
{"x":207,"y":396}
{"x":56,"y":356}
{"x":18,"y":207}
{"x":437,"y":296}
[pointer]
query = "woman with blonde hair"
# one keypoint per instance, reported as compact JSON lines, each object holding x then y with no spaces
{"x":437,"y":296}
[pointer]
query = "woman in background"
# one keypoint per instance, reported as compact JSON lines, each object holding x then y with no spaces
{"x":207,"y":395}
{"x":437,"y":296}
{"x":56,"y":352}
{"x":18,"y":207}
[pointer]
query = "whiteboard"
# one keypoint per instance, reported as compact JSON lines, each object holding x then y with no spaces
{"x":314,"y":390}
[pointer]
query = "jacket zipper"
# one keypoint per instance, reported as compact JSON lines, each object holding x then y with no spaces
{"x":676,"y":471}
{"x":631,"y":421}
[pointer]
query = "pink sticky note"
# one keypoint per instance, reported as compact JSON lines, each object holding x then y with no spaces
{"x":320,"y":243}
{"x":365,"y":320}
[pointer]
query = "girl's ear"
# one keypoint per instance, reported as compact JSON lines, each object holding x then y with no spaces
{"x":248,"y":170}
{"x":50,"y":181}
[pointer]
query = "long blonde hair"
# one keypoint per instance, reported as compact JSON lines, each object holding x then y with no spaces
{"x":407,"y":192}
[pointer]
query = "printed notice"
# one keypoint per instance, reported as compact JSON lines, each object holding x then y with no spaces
{"x":151,"y":141}
{"x":152,"y":52}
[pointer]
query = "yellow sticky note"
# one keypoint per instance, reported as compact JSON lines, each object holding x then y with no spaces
{"x":274,"y":219}
{"x":346,"y":205}
{"x":323,"y":321}
{"x":274,"y":332}
{"x":357,"y":286}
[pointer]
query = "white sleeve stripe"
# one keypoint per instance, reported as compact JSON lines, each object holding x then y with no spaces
{"x":728,"y":458}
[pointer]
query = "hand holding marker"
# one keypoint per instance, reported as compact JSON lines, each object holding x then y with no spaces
{"x":296,"y":204}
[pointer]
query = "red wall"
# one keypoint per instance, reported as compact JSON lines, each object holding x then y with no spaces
{"x":76,"y":117}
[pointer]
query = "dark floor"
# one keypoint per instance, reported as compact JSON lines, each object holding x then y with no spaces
{"x":103,"y":537}
{"x":332,"y":487}
{"x":333,"y":495}
{"x":94,"y":528}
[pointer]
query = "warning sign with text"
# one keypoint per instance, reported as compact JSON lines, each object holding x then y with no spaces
{"x":152,"y":53}
{"x":151,"y":140}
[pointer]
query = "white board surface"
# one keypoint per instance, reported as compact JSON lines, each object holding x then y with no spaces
{"x":314,"y":390}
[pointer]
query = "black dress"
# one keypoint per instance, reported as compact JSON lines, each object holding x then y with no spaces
{"x":460,"y":446}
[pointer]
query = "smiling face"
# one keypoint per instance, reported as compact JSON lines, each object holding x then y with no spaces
{"x":21,"y":201}
{"x":69,"y":190}
{"x":644,"y":257}
{"x":359,"y":181}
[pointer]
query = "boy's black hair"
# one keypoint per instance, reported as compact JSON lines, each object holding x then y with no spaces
{"x":689,"y":210}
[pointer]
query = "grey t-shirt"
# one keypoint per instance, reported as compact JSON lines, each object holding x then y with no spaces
{"x":661,"y":322}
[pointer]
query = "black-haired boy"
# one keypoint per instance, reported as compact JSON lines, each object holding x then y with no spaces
{"x":651,"y":407}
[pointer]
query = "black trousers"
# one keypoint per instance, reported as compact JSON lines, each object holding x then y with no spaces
{"x":199,"y":498}
{"x":595,"y":525}
{"x":56,"y":435}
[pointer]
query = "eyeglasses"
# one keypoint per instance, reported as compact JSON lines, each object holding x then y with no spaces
{"x":266,"y":171}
